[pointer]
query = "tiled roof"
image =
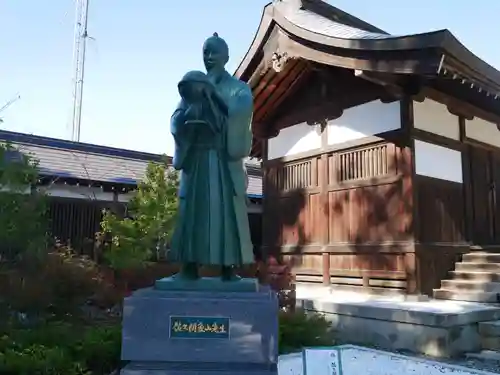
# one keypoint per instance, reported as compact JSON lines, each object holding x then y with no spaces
{"x":85,"y":166}
{"x":65,"y":159}
{"x":324,"y":26}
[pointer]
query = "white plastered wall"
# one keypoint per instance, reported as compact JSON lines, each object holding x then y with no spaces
{"x":438,"y":162}
{"x":483,"y":131}
{"x":434,"y":117}
{"x":364,"y":120}
{"x":294,"y":140}
{"x":355,"y":123}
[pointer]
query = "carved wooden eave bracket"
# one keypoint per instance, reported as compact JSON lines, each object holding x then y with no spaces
{"x":420,"y":97}
{"x":454,"y":110}
{"x":273,"y":133}
{"x":279,"y":60}
{"x":310,"y":117}
{"x":263,"y":131}
{"x":321,"y":114}
{"x":326,"y":113}
{"x":313,"y":116}
{"x":322,"y":124}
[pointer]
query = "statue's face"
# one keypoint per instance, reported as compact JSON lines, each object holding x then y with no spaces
{"x":214,"y":54}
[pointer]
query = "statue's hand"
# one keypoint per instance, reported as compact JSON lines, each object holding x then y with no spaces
{"x":214,"y":96}
{"x":210,"y":88}
{"x":189,"y":113}
{"x":192,"y":113}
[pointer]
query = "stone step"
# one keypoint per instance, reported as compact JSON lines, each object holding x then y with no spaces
{"x":481,"y":257}
{"x":470,"y":285}
{"x":490,"y":329}
{"x":372,"y":290}
{"x":470,"y":296}
{"x":478,"y":266}
{"x":476,"y":275}
{"x":485,"y":355}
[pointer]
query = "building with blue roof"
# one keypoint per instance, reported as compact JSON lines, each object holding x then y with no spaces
{"x":82,"y":179}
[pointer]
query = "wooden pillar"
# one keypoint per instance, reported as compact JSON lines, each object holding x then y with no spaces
{"x":325,"y":208}
{"x":264,"y":243}
{"x":326,"y":268}
{"x":406,"y":164}
{"x":412,"y":285}
{"x":467,"y":185}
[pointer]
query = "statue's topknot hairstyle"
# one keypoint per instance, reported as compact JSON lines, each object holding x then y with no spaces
{"x":215,"y":37}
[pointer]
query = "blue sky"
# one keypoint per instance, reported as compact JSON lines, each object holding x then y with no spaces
{"x":142,"y":48}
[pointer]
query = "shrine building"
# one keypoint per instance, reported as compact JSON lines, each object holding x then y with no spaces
{"x":380,"y":152}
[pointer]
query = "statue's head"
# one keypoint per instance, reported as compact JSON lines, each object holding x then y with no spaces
{"x":192,"y":85}
{"x":215,"y":53}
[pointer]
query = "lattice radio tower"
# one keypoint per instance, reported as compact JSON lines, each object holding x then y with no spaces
{"x":79,"y":50}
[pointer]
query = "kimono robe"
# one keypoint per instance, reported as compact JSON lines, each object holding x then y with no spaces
{"x":212,"y":226}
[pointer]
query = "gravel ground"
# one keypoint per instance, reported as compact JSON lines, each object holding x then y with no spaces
{"x":476,"y":364}
{"x":371,"y":361}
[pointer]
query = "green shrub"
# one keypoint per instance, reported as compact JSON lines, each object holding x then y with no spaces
{"x":298,"y":330}
{"x":23,"y":225}
{"x":46,"y":334}
{"x":100,"y":348}
{"x":152,"y":210}
{"x":39,"y":360}
{"x":59,"y":348}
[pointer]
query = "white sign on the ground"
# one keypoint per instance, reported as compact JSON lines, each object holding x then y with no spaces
{"x":322,"y":361}
{"x":355,"y":360}
{"x":291,"y":364}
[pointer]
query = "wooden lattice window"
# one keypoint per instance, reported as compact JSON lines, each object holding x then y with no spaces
{"x":296,"y":175}
{"x":360,"y":164}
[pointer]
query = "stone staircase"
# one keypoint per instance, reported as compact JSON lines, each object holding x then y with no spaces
{"x":475,"y":279}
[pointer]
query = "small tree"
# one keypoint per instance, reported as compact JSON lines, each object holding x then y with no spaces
{"x":149,"y":225}
{"x":22,"y":212}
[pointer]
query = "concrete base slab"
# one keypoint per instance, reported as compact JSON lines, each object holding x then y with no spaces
{"x":434,"y":327}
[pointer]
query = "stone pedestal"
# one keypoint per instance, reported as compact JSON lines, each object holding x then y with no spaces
{"x":190,"y":332}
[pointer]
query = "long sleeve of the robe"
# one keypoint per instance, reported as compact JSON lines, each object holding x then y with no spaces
{"x":180,"y":137}
{"x":239,"y":128}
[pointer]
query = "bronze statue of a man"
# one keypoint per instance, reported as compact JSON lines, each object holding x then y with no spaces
{"x":212,"y":132}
